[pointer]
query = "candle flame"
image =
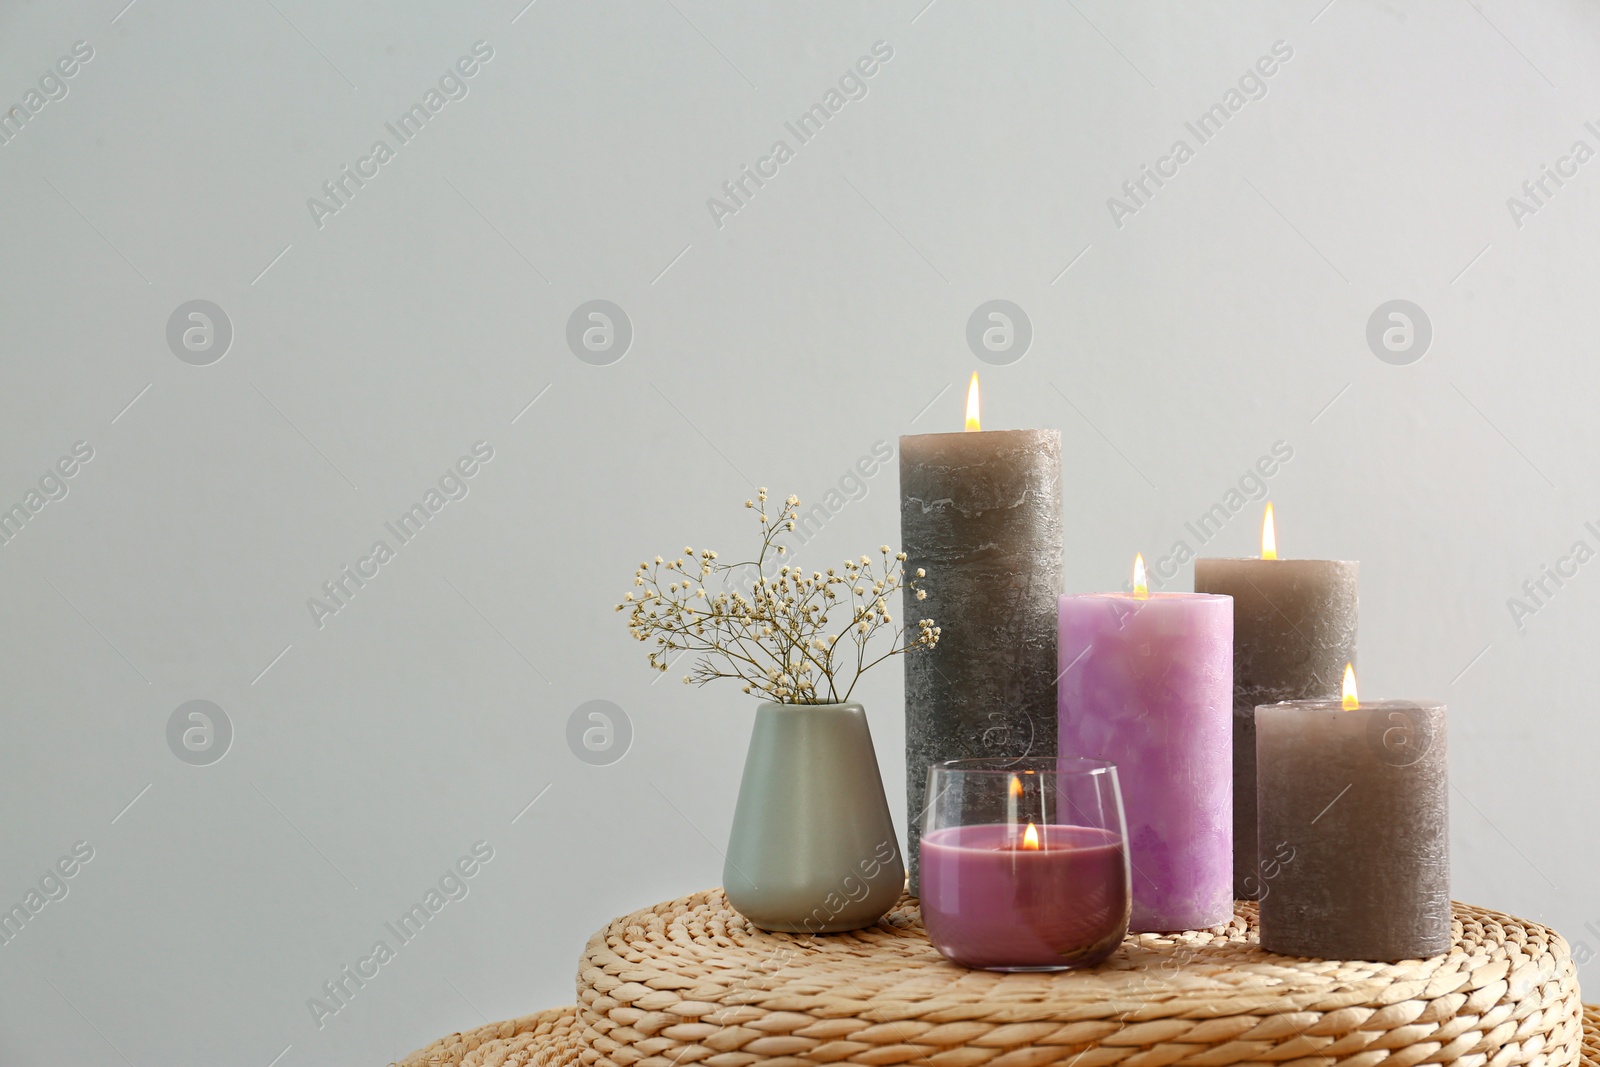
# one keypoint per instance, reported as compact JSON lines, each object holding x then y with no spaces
{"x":1269,"y":536}
{"x":1030,"y":838}
{"x":972,"y":403}
{"x":1141,"y":587}
{"x":1016,"y":786}
{"x":1350,"y":702}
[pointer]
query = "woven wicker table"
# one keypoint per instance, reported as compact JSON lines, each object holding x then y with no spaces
{"x":691,"y":982}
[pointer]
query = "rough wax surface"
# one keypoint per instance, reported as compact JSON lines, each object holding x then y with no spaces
{"x":1358,"y":805}
{"x":1148,"y":685}
{"x":1294,"y":629}
{"x":981,"y":512}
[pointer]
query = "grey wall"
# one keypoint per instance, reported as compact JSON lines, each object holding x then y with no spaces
{"x":1174,"y":342}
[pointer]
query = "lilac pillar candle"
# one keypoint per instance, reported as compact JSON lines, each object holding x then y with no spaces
{"x":1147,"y":683}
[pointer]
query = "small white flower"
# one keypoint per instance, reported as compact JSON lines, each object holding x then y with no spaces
{"x":782,"y":614}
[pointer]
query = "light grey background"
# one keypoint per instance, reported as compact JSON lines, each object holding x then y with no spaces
{"x":828,"y":313}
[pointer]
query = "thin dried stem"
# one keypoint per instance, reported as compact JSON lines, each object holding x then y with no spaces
{"x":782,"y":638}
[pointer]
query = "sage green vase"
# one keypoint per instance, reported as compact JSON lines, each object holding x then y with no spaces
{"x":813,"y":848}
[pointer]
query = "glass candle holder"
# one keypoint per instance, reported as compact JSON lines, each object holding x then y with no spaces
{"x":1025,"y":863}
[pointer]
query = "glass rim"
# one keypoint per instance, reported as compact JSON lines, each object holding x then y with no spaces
{"x":1059,"y":765}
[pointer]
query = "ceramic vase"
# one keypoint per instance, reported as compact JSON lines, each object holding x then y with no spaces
{"x":813,"y":847}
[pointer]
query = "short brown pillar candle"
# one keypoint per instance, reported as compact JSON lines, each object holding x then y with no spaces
{"x":1354,"y":813}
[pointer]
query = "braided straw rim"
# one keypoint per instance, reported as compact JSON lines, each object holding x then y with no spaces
{"x":690,"y":981}
{"x":527,"y":1047}
{"x":546,"y":1039}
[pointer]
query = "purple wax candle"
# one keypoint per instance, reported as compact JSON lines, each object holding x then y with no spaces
{"x":1147,"y":683}
{"x":1024,"y":863}
{"x":989,"y":900}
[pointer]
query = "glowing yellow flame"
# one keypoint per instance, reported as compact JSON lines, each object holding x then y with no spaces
{"x":1350,"y":702}
{"x":1141,"y":587}
{"x":1030,"y":838}
{"x":1269,"y":536}
{"x":1016,"y":786}
{"x":972,"y":403}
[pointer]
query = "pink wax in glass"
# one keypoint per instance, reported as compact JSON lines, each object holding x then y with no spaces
{"x":1024,"y":863}
{"x":987,"y":902}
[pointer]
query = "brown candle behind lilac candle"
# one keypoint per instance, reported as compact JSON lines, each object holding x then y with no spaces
{"x":1294,"y":629}
{"x":1355,"y":815}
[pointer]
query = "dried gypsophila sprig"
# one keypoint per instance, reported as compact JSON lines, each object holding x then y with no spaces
{"x":776,"y":639}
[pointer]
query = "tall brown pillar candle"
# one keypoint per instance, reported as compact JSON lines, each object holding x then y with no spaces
{"x":981,"y":513}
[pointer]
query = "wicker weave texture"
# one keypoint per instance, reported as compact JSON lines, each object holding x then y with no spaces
{"x":691,"y":982}
{"x":553,"y":1044}
{"x":547,"y":1039}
